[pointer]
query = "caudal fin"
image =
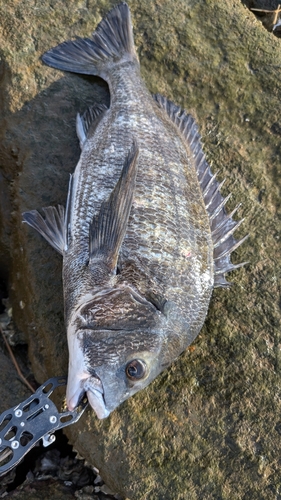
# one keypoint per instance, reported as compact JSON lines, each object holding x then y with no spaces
{"x":111,"y":43}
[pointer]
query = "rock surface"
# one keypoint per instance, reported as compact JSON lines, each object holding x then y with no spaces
{"x":12,"y":389}
{"x":210,"y":426}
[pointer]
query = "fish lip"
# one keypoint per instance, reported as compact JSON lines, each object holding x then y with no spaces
{"x":96,"y":401}
{"x":94,"y":388}
{"x":86,"y":386}
{"x":93,"y":383}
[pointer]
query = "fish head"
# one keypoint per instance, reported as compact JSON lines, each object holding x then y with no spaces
{"x":111,"y":368}
{"x":112,"y":364}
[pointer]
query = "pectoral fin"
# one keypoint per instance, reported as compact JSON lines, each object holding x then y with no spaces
{"x":55,"y":225}
{"x":109,"y":226}
{"x":51,"y":227}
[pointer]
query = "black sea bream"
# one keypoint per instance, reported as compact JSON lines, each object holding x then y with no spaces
{"x":144,"y":237}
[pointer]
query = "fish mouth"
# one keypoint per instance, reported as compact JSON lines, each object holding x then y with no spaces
{"x":95,"y":394}
{"x":92,"y":386}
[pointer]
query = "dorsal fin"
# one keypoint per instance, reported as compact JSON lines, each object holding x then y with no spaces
{"x":89,"y":119}
{"x":222,"y":225}
{"x":109,"y":225}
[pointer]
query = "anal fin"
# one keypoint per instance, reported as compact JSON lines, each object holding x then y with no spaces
{"x":109,"y":225}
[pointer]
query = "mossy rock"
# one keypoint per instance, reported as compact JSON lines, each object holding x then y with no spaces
{"x":210,"y":426}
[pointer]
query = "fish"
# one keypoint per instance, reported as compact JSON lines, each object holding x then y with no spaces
{"x":145,"y":236}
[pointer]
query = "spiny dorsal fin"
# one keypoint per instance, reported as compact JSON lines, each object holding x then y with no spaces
{"x":111,"y":43}
{"x":222,"y":225}
{"x":109,"y":226}
{"x":52,"y":227}
{"x":88,"y":120}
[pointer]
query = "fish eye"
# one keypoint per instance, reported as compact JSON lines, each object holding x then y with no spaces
{"x":135,"y":369}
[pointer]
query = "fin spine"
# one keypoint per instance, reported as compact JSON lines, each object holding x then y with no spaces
{"x":227,"y":234}
{"x":221,"y":224}
{"x":227,"y":251}
{"x":217,"y":189}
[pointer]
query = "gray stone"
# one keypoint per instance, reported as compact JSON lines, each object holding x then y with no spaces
{"x":210,"y":426}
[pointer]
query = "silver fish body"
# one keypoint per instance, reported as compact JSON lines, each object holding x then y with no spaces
{"x":144,"y":237}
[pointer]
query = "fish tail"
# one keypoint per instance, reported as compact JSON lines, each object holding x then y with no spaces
{"x":110,"y":44}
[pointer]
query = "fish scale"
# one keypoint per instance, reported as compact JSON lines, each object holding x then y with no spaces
{"x":145,"y":236}
{"x":91,"y":195}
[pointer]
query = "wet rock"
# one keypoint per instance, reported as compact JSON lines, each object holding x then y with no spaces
{"x":67,"y":469}
{"x":12,"y":389}
{"x":209,"y":427}
{"x":43,"y":470}
{"x":12,"y":392}
{"x":43,"y":490}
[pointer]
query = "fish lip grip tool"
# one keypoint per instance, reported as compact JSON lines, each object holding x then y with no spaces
{"x":35,"y":418}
